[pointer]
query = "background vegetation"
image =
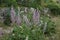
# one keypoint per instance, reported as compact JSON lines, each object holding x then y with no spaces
{"x":30,"y":24}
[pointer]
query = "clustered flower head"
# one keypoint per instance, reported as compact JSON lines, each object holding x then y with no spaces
{"x":36,"y":16}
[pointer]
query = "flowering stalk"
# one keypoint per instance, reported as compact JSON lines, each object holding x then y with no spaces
{"x":32,"y":10}
{"x":12,"y":15}
{"x":26,"y":20}
{"x":36,"y":17}
{"x":25,"y":10}
{"x":45,"y":26}
{"x":18,"y":18}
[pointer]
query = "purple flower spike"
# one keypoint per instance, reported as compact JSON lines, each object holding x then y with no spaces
{"x":18,"y":18}
{"x":12,"y":15}
{"x":36,"y":17}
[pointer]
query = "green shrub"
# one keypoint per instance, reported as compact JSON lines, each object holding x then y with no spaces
{"x":26,"y":33}
{"x":54,"y":7}
{"x":50,"y":29}
{"x":7,"y":20}
{"x":33,"y":32}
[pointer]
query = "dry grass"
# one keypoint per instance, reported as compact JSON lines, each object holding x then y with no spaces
{"x":57,"y":22}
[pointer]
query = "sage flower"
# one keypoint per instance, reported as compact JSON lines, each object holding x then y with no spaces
{"x":36,"y":17}
{"x":26,"y":20}
{"x":18,"y":18}
{"x":12,"y":15}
